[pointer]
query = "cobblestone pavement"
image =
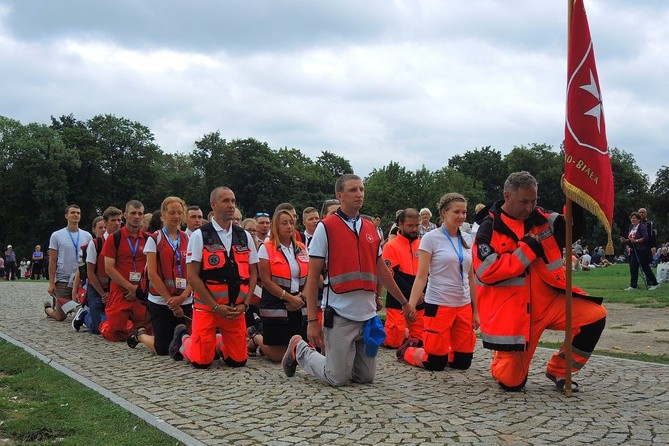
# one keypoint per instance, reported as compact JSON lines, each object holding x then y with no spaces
{"x":620,"y":401}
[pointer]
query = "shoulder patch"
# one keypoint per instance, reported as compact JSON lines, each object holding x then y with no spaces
{"x":484,"y":250}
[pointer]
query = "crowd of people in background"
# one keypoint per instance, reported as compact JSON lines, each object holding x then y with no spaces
{"x":226,"y":287}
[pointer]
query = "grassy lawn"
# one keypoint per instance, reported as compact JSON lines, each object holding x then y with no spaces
{"x":40,"y":406}
{"x":610,"y":283}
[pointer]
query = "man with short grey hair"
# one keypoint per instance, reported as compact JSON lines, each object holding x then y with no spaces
{"x":521,"y":286}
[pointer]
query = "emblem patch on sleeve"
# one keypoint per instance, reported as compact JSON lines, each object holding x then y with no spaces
{"x":484,"y":250}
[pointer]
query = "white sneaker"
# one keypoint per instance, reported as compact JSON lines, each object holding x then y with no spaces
{"x":653,"y":287}
{"x":629,"y":288}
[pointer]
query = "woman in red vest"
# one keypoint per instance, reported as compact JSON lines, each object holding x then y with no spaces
{"x":283,"y":269}
{"x":170,"y":302}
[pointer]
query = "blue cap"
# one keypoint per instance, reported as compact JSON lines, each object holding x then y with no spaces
{"x":373,"y":336}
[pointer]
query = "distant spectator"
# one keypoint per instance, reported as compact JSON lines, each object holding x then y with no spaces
{"x":2,"y":267}
{"x":586,"y":261}
{"x":640,"y":257}
{"x":577,"y":247}
{"x":10,"y":263}
{"x":425,"y":224}
{"x":38,"y":263}
{"x":664,"y":255}
{"x":24,"y":265}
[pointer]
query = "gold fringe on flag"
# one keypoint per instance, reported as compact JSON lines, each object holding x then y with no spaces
{"x":588,"y":203}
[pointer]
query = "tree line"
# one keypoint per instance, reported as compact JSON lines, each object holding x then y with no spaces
{"x":108,"y":160}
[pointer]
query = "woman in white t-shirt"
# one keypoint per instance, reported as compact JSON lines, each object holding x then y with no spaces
{"x":170,"y":300}
{"x":450,"y":297}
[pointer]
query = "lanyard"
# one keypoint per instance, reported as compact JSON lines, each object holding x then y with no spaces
{"x":76,"y":245}
{"x":459,"y":251}
{"x":175,"y":247}
{"x":133,"y":250}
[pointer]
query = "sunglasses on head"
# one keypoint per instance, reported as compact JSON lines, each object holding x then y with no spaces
{"x":262,"y":214}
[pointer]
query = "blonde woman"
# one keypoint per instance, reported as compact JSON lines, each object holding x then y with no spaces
{"x":169,"y":301}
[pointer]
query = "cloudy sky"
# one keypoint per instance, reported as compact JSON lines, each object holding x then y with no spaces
{"x":411,"y":81}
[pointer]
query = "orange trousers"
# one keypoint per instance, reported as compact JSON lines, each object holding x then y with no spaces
{"x":200,"y":346}
{"x":448,"y":339}
{"x":510,"y":369}
{"x":396,"y":326}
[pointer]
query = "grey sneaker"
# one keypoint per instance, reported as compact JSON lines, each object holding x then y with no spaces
{"x":179,"y":332}
{"x":653,"y":287}
{"x":631,"y":288}
{"x":289,"y":363}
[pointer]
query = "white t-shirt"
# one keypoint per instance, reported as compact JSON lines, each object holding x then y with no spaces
{"x":68,"y":244}
{"x":92,"y":252}
{"x":195,"y":244}
{"x":150,"y":246}
{"x":446,"y":285}
{"x":359,"y":305}
{"x":289,"y":252}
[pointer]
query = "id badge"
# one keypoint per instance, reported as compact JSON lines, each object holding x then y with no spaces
{"x":135,"y":276}
{"x":180,"y":282}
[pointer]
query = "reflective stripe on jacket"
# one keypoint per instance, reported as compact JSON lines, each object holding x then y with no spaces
{"x":225,"y":274}
{"x":272,"y":306}
{"x":511,"y":266}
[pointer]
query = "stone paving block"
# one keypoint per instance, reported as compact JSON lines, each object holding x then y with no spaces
{"x":622,"y":401}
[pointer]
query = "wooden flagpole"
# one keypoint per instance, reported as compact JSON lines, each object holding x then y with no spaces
{"x":568,"y":252}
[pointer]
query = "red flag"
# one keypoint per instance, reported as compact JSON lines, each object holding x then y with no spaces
{"x":588,"y":176}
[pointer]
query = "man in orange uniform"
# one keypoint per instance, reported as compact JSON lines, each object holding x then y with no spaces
{"x":124,"y":263}
{"x":521,"y":292}
{"x":221,"y":261}
{"x":401,"y":256}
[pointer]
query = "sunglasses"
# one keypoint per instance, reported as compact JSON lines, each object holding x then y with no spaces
{"x":262,"y":214}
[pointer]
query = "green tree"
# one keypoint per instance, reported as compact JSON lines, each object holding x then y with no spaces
{"x":34,"y":183}
{"x":388,"y":189}
{"x":130,"y":160}
{"x":659,"y":203}
{"x":485,"y":165}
